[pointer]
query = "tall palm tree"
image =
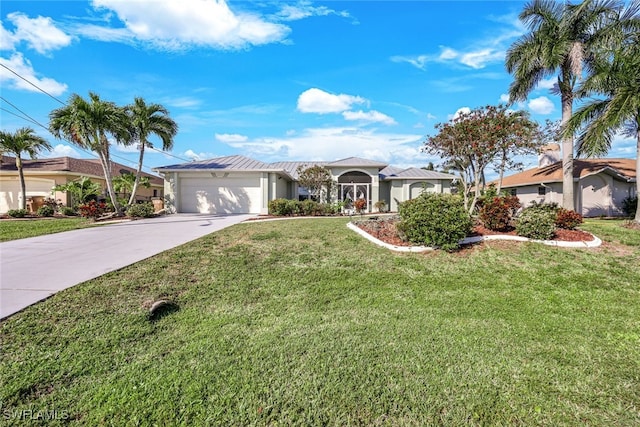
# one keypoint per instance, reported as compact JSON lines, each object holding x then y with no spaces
{"x":563,"y":39}
{"x":145,"y":120}
{"x":600,"y":119}
{"x":87,"y":123}
{"x":24,"y":140}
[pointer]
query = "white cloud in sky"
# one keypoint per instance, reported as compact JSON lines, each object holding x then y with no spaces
{"x":504,"y":98}
{"x":227,"y":137}
{"x":190,"y":154}
{"x":304,"y":9}
{"x":40,"y":34}
{"x":183,"y":102}
{"x":61,"y":150}
{"x":336,"y":143}
{"x":372,"y":116}
{"x":547,"y":83}
{"x":431,"y":116}
{"x":459,"y":112}
{"x":318,"y":101}
{"x":20,"y":65}
{"x":541,"y":105}
{"x":180,"y":25}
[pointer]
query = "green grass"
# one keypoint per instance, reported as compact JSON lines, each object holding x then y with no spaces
{"x":20,"y":229}
{"x":306,"y":323}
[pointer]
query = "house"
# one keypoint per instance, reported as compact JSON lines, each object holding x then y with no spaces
{"x":41,"y":175}
{"x":600,"y":185}
{"x":239,"y":184}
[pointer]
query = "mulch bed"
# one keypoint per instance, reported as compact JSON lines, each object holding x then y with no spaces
{"x":387,"y":232}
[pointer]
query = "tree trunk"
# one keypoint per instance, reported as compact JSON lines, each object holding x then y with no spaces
{"x":637,"y":218}
{"x":503,"y":163}
{"x":23,"y":185}
{"x":568,"y":201}
{"x":106,"y":168}
{"x":137,"y":181}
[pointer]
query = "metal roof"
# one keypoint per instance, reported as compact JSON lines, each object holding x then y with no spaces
{"x":357,"y":162}
{"x":413,"y":173}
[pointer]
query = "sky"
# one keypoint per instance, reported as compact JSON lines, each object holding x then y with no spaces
{"x":272,"y":80}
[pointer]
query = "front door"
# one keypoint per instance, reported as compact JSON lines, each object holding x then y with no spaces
{"x":350,"y":192}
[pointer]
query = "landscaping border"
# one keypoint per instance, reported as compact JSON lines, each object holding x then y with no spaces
{"x":469,"y":240}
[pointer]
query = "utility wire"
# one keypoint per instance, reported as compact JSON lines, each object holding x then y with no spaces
{"x":32,"y":84}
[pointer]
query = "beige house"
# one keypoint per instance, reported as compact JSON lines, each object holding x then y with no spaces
{"x":600,"y":185}
{"x":239,"y":184}
{"x":42,"y":175}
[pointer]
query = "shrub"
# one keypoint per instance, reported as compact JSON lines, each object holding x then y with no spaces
{"x":435,"y":220}
{"x":279,"y":207}
{"x":497,"y":212}
{"x":380,"y":205}
{"x":294,"y":207}
{"x":45,"y":210}
{"x":360,"y":205}
{"x":536,"y":223}
{"x":309,"y":207}
{"x":141,"y":210}
{"x":546,"y":207}
{"x":17,"y":213}
{"x":93,"y":209}
{"x":630,"y":206}
{"x":68,"y":211}
{"x":568,"y":219}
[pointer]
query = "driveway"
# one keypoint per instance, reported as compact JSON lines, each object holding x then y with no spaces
{"x":35,"y":268}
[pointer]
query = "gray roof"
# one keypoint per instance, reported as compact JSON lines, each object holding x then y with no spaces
{"x":237,"y":163}
{"x":292,"y":167}
{"x":358,"y":162}
{"x":412,"y":173}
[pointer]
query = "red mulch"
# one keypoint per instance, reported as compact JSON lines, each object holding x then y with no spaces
{"x":386,"y":231}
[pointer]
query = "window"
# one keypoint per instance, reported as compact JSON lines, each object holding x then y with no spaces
{"x":514,"y":192}
{"x":155,"y":193}
{"x":542,"y":191}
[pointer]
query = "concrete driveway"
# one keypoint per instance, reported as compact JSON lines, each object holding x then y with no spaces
{"x":35,"y":268}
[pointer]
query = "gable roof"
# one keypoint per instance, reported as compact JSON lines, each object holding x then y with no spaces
{"x":624,"y":169}
{"x":71,"y":166}
{"x":357,"y":162}
{"x":391,"y":172}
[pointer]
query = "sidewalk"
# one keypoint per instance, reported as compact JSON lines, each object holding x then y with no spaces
{"x":35,"y":268}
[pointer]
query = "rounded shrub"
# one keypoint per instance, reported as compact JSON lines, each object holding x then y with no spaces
{"x":568,"y":219}
{"x":439,"y":220}
{"x":496,"y":212}
{"x":45,"y":210}
{"x":17,"y":213}
{"x":279,"y":207}
{"x":68,"y":211}
{"x":536,"y":223}
{"x":141,"y":210}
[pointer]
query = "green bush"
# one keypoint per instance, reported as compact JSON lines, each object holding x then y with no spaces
{"x":630,"y":206}
{"x":309,"y":207}
{"x":45,"y":210}
{"x":17,"y":213}
{"x":434,"y":220}
{"x":280,"y":207}
{"x":568,"y":219}
{"x":141,"y":210}
{"x":68,"y":211}
{"x":496,"y":212}
{"x":536,"y":223}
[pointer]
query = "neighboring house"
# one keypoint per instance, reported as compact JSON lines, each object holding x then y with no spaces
{"x":600,"y":185}
{"x":41,"y":175}
{"x":239,"y":184}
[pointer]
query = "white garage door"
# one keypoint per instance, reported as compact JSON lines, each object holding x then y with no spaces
{"x":220,"y":195}
{"x":10,"y":191}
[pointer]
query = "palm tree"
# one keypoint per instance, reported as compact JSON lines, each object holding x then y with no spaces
{"x":86,"y":123}
{"x":563,"y":39}
{"x":147,"y":120}
{"x":600,"y":119}
{"x":24,"y":140}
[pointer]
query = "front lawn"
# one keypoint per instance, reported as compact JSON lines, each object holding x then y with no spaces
{"x":304,"y":322}
{"x":13,"y":229}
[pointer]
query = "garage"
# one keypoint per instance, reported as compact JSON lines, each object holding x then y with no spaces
{"x":220,"y":195}
{"x":10,"y":191}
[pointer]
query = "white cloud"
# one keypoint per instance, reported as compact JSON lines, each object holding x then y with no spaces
{"x":460,"y":111}
{"x":7,"y":39}
{"x":431,"y":116}
{"x":22,"y":67}
{"x":337,"y":143}
{"x":190,"y":154}
{"x":548,"y":83}
{"x":318,"y":101}
{"x":180,"y":25}
{"x":541,"y":105}
{"x":305,"y":9}
{"x":505,"y":98}
{"x":480,"y":58}
{"x":61,"y":150}
{"x":41,"y":34}
{"x":419,"y":61}
{"x":227,"y":137}
{"x":368,"y":116}
{"x":183,"y":102}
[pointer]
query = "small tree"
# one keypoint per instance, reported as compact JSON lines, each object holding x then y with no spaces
{"x":317,"y":180}
{"x":471,"y":141}
{"x":81,"y":190}
{"x":126,"y":184}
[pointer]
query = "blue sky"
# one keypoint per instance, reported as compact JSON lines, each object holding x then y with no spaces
{"x":272,"y":80}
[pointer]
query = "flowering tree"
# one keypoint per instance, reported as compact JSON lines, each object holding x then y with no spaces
{"x":472,"y":141}
{"x":316,"y":179}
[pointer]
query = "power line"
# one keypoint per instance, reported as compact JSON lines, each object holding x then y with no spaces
{"x":18,"y":115}
{"x":32,"y":84}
